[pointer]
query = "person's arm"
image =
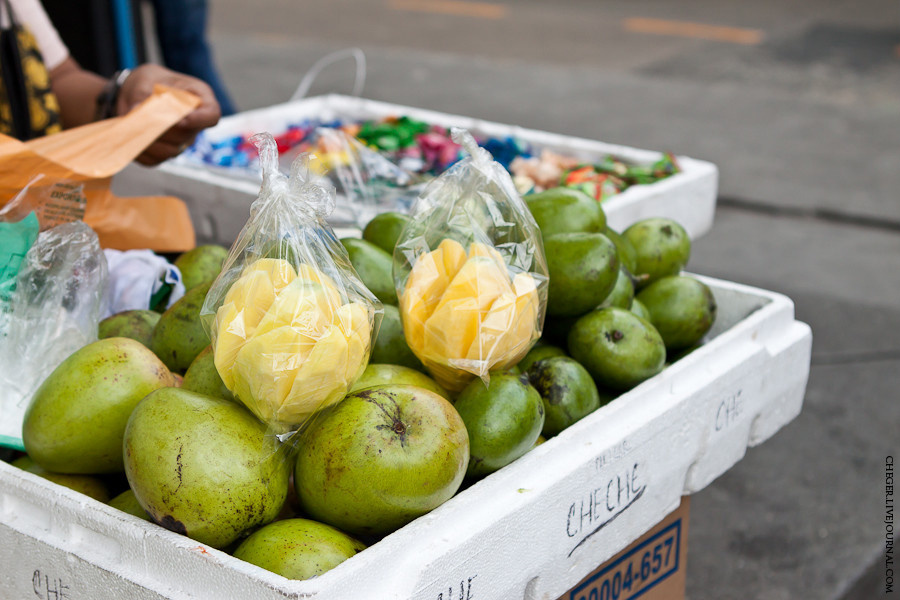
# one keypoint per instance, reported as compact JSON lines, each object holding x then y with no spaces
{"x":76,"y":90}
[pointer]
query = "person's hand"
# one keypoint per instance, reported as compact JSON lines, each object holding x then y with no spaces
{"x":139,"y":86}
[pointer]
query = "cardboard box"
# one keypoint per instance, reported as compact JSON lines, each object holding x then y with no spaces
{"x":652,"y":568}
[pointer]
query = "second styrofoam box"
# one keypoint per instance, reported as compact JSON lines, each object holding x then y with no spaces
{"x":220,"y":202}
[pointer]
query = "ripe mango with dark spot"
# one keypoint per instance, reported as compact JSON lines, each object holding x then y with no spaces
{"x":374,"y":267}
{"x":179,"y":337}
{"x":203,"y":378}
{"x":77,"y":418}
{"x":203,"y":466}
{"x":567,"y":390}
{"x":565,"y":210}
{"x":135,"y":324}
{"x":682,"y":308}
{"x":201,"y":265}
{"x":618,"y":348}
{"x":384,"y":230}
{"x":583,"y":268}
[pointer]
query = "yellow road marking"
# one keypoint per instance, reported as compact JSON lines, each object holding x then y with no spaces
{"x":734,"y":35}
{"x":483,"y":10}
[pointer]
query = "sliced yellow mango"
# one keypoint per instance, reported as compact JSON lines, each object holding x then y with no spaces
{"x":279,"y":271}
{"x":315,"y":275}
{"x":319,"y":382}
{"x":303,"y":305}
{"x":266,"y":367}
{"x":463,"y":315}
{"x":454,"y":257}
{"x":479,"y":249}
{"x":490,"y":346}
{"x":424,"y":288}
{"x":353,"y":321}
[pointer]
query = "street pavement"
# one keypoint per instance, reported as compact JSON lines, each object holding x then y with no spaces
{"x":799,"y":106}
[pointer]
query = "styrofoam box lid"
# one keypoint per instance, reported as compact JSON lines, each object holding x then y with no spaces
{"x":530,"y":531}
{"x":688,"y":197}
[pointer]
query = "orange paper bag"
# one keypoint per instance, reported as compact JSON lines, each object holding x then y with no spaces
{"x":88,"y":157}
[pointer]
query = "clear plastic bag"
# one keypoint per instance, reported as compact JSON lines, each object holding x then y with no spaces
{"x":470,"y":272}
{"x":367,"y":183}
{"x":53,"y":312}
{"x":290,"y":321}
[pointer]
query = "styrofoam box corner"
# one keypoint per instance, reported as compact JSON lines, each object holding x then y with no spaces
{"x":540,"y":524}
{"x":219,"y":199}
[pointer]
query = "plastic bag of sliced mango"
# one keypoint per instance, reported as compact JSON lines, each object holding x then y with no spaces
{"x":290,"y":322}
{"x":470,"y":272}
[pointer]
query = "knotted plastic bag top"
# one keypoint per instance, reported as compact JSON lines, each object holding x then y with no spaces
{"x":470,"y":272}
{"x":291,"y":323}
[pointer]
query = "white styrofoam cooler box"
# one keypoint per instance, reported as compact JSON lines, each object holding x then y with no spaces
{"x":530,"y":531}
{"x":219,"y":202}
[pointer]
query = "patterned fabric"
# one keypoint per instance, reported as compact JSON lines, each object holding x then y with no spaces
{"x":40,"y":106}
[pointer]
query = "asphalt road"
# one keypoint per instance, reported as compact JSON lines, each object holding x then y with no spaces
{"x":798,"y":103}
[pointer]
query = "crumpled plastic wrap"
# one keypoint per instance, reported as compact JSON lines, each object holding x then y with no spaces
{"x":470,"y":272}
{"x":290,"y":321}
{"x":54,"y":311}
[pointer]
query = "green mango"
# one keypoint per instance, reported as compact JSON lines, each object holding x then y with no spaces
{"x":84,"y":484}
{"x":539,"y":352}
{"x":624,"y":250}
{"x":373,"y":265}
{"x":381,"y":374}
{"x":682,"y":308}
{"x":298,"y":548}
{"x":201,"y":265}
{"x":390,"y":345}
{"x":135,"y":324}
{"x":380,"y":458}
{"x":127,"y":502}
{"x":77,"y":418}
{"x":583,"y":268}
{"x":565,"y":210}
{"x":203,"y":466}
{"x":618,"y":348}
{"x":662,"y":246}
{"x":203,"y":377}
{"x":622,"y":293}
{"x":503,"y":418}
{"x":567,"y":390}
{"x":638,"y":308}
{"x":179,"y":337}
{"x":384,"y":230}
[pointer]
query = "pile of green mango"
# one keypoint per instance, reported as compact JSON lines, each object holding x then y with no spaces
{"x":142,"y":420}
